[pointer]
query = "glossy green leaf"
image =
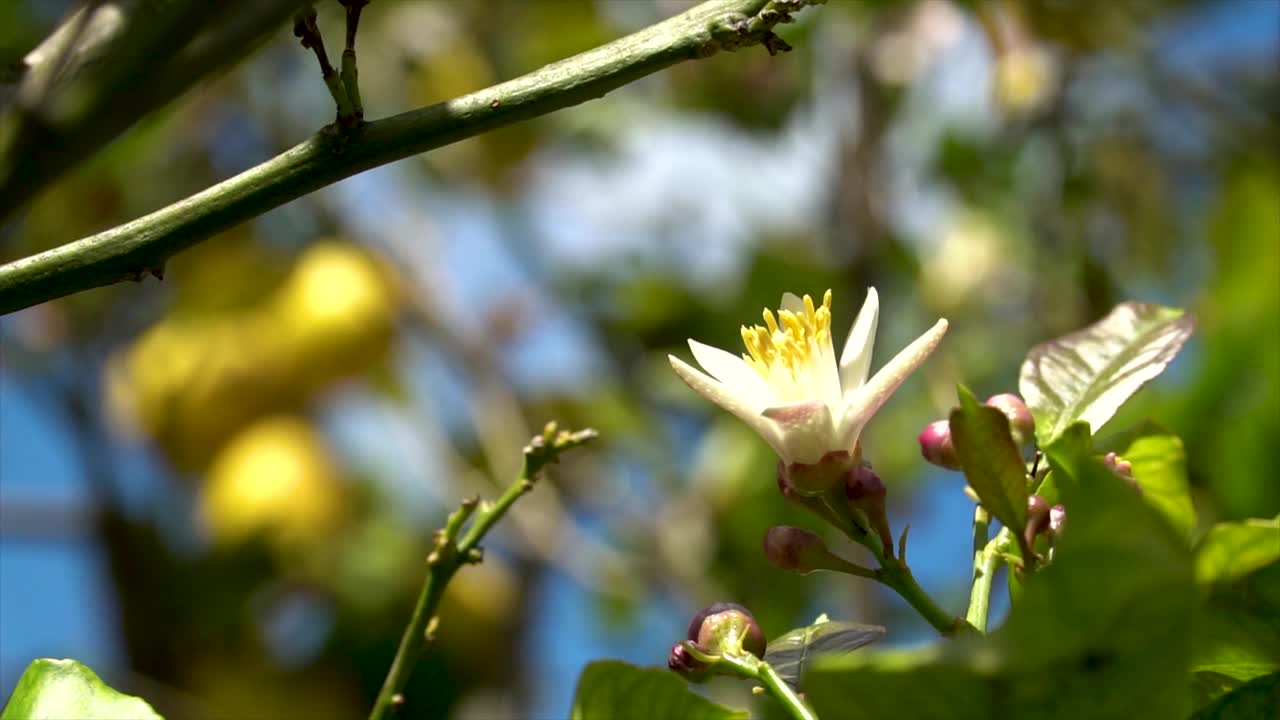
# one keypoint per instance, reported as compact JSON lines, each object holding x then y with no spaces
{"x":1160,"y":469}
{"x":1230,"y":551}
{"x":991,"y":461}
{"x":613,"y":690}
{"x":1088,"y":374}
{"x":1256,"y":699}
{"x":791,"y":654}
{"x":1101,"y":632}
{"x":57,"y":689}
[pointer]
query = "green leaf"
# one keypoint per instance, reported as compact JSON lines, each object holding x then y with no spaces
{"x":1236,"y":636}
{"x":791,"y":653}
{"x":1229,"y":551}
{"x":1088,"y":374}
{"x":991,"y":461}
{"x":1258,"y":698}
{"x":613,"y":690}
{"x":1160,"y":469}
{"x":57,"y":689}
{"x":1100,"y":633}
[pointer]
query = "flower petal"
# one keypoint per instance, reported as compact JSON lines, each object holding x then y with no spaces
{"x":807,"y":431}
{"x":871,"y":396}
{"x":728,"y":398}
{"x":731,"y":370}
{"x":855,"y":360}
{"x":791,"y":301}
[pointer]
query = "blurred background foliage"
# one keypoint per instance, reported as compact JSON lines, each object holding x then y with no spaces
{"x":217,"y":490}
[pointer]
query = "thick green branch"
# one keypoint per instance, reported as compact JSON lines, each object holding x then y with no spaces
{"x":136,"y":248}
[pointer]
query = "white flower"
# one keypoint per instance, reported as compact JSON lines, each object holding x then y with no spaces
{"x":789,"y":387}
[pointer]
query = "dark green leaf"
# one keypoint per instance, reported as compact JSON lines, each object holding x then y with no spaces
{"x":791,"y":653}
{"x":992,"y":464}
{"x":1258,"y":698}
{"x":1087,"y":375}
{"x":66,"y":689}
{"x":1237,"y":633}
{"x":1230,"y":551}
{"x":1160,"y":468}
{"x":613,"y":690}
{"x":1101,"y":632}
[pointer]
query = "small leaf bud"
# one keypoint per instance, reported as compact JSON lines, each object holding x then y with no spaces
{"x":1021,"y":424}
{"x":936,"y":447}
{"x":727,"y":629}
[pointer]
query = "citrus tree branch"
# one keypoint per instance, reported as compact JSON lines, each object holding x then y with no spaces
{"x":142,"y":246}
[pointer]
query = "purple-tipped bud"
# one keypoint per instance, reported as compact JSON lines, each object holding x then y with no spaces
{"x":727,"y":629}
{"x":866,"y":492}
{"x":685,"y":664}
{"x":936,"y":447}
{"x":1122,"y":469}
{"x":811,"y":480}
{"x":1037,"y":518}
{"x":1021,"y":424}
{"x":795,"y":549}
{"x":1057,"y":520}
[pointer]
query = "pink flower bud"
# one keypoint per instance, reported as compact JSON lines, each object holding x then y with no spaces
{"x":795,"y":549}
{"x":727,"y":628}
{"x":1021,"y":424}
{"x":936,"y":447}
{"x":1037,"y":518}
{"x":1057,"y":520}
{"x":866,"y":492}
{"x":1122,"y":469}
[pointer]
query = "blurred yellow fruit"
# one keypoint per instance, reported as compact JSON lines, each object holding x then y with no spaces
{"x":1025,"y":80}
{"x":276,"y":477}
{"x":336,"y":311}
{"x":191,"y":382}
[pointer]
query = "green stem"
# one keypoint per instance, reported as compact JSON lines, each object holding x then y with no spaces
{"x":753,"y":668}
{"x":132,"y":249}
{"x":783,"y":693}
{"x":449,"y":555}
{"x":985,"y":563}
{"x":894,"y":574}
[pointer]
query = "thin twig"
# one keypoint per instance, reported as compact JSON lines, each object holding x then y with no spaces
{"x":454,"y":548}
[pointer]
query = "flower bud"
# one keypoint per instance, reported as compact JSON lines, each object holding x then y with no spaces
{"x":866,"y":492}
{"x":936,"y":447}
{"x":1122,"y":469}
{"x":1057,"y":520}
{"x":1037,"y":518}
{"x":1021,"y":424}
{"x":811,"y":480}
{"x":795,"y":549}
{"x":685,"y":664}
{"x":727,"y":629}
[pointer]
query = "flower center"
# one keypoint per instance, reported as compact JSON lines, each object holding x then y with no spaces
{"x":791,"y":342}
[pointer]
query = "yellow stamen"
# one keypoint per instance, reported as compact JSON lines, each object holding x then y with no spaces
{"x":790,"y":341}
